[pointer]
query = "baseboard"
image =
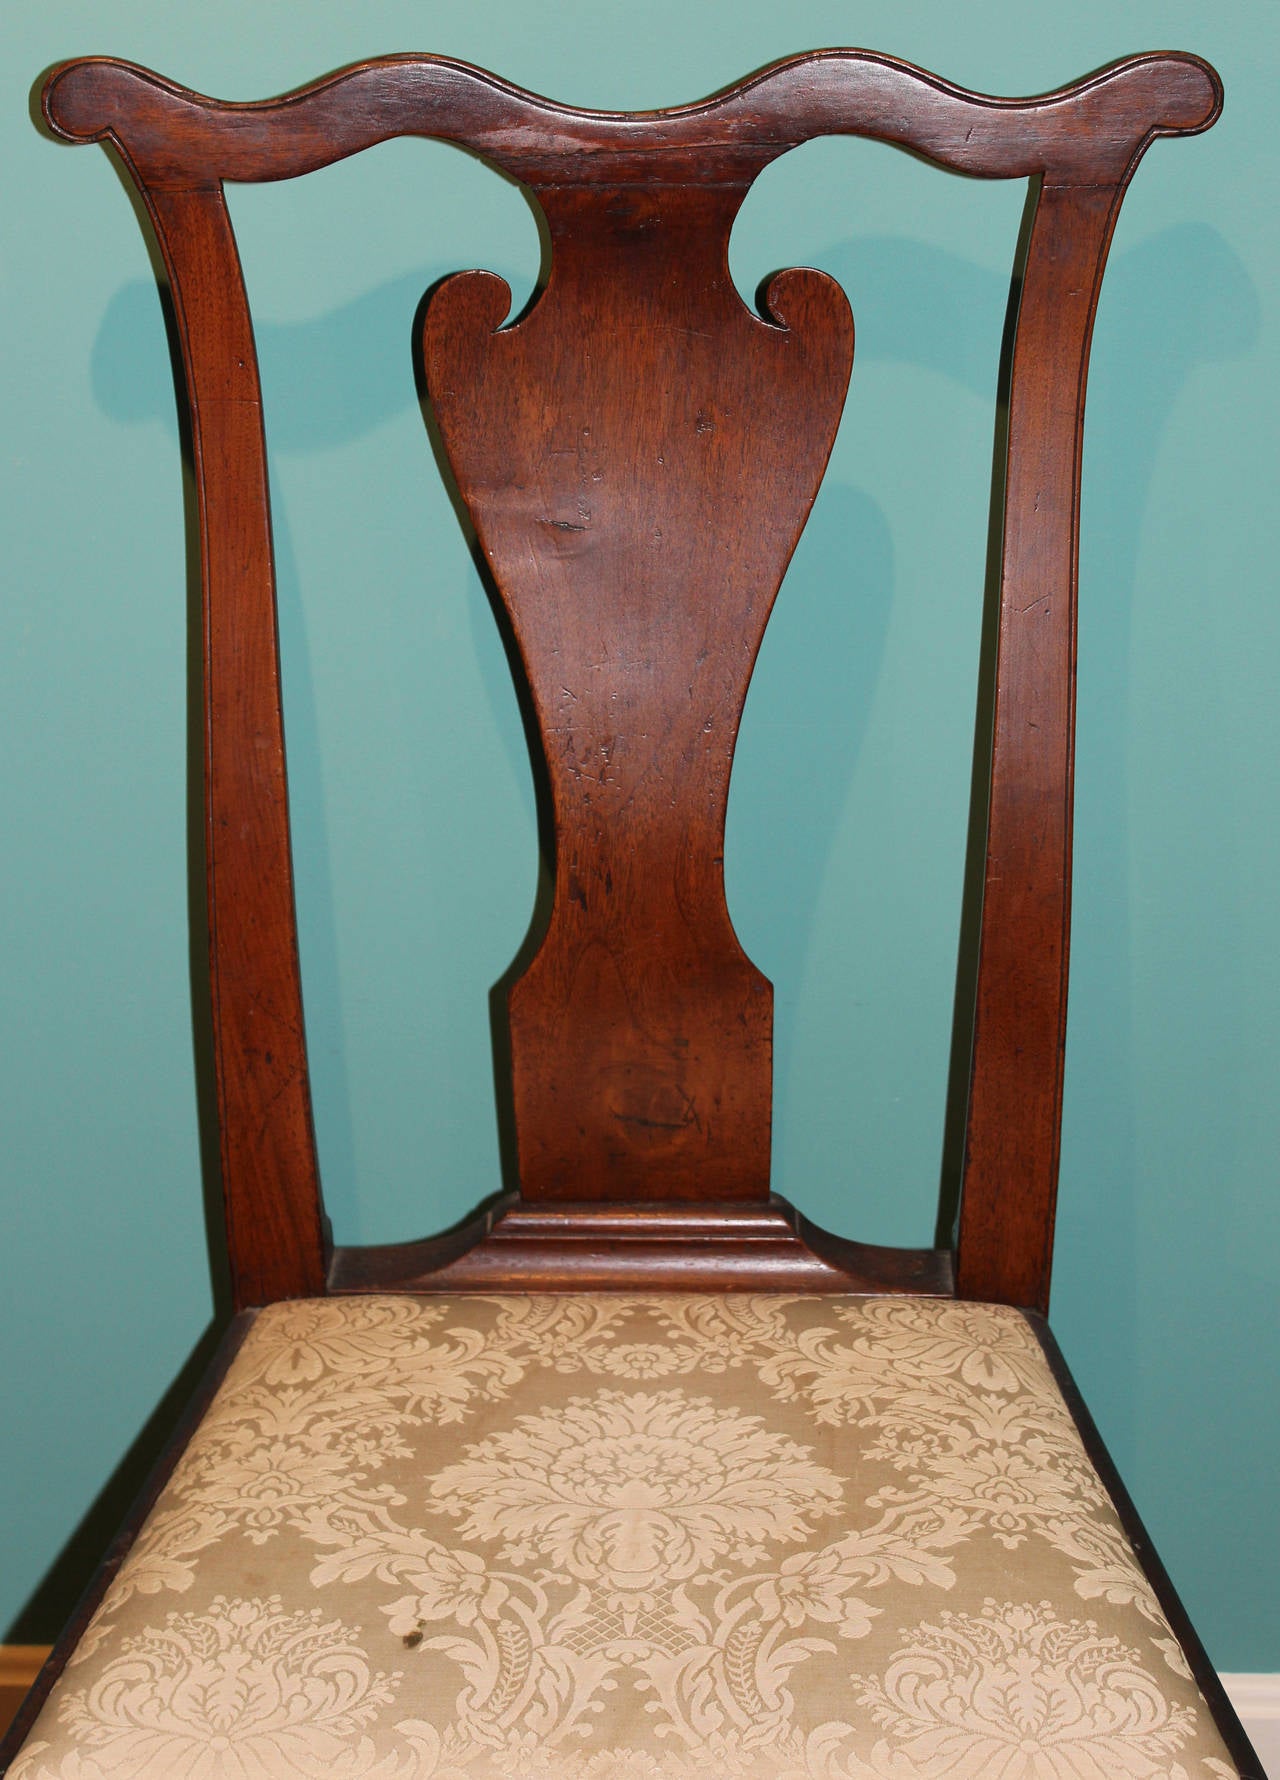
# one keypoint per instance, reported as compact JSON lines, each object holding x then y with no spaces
{"x":21,"y":1663}
{"x":1257,"y":1700}
{"x":19,"y":1666}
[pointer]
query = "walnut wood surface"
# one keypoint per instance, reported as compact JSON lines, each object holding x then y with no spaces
{"x":520,"y":1246}
{"x":638,"y":546}
{"x":1015,"y":1106}
{"x":639,"y":453}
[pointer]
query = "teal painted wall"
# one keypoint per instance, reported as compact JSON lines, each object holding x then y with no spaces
{"x":413,"y":810}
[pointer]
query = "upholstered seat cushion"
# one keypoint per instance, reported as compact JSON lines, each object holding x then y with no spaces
{"x":619,"y":1538}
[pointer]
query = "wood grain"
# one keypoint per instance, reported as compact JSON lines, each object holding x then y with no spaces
{"x":639,"y":453}
{"x":559,"y":1247}
{"x":638,"y":547}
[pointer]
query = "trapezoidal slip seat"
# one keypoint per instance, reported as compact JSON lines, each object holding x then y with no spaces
{"x":640,"y":1476}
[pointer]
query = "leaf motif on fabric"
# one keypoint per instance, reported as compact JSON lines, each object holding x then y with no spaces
{"x":626,"y":1538}
{"x":635,"y":1489}
{"x":1015,"y":1693}
{"x":244,"y":1689}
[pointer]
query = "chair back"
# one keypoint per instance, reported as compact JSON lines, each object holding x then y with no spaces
{"x":638,"y":454}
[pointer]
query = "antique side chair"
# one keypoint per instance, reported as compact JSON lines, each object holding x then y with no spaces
{"x":639,"y":1475}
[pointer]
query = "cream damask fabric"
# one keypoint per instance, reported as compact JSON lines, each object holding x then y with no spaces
{"x":617,"y":1538}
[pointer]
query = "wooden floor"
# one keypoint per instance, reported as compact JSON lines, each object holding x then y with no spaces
{"x":19,"y":1666}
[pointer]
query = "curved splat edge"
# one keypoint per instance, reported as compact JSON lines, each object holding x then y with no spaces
{"x":638,"y":546}
{"x":1085,"y":140}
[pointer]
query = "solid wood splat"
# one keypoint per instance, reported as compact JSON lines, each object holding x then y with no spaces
{"x":638,"y":548}
{"x":639,"y":453}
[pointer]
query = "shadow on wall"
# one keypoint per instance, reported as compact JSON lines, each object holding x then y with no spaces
{"x":1173,"y":303}
{"x":1176,"y":301}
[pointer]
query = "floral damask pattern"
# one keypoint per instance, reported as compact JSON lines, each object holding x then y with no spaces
{"x":626,"y":1490}
{"x":241,"y":1691}
{"x":1014,"y":1693}
{"x":620,"y":1538}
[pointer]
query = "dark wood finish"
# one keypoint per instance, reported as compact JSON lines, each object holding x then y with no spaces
{"x":638,"y":546}
{"x":639,"y":454}
{"x":1015,"y":1106}
{"x":13,"y":1739}
{"x":682,"y":1248}
{"x":270,"y":1176}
